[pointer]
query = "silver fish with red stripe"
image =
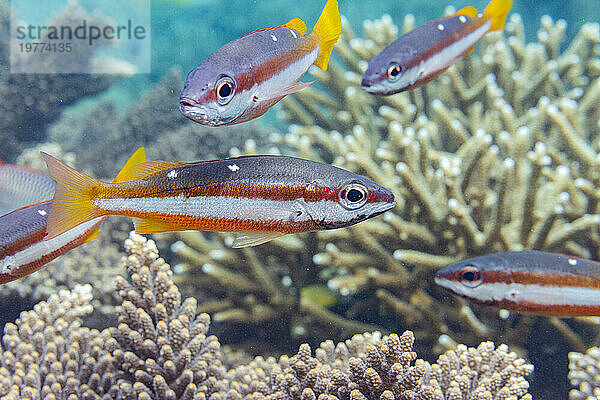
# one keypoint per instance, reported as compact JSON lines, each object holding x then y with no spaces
{"x":22,"y":248}
{"x":244,"y":78}
{"x":533,"y":282}
{"x":424,"y":53}
{"x":259,"y":197}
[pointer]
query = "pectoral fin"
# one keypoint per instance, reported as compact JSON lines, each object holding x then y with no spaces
{"x":245,"y":239}
{"x":296,"y":87}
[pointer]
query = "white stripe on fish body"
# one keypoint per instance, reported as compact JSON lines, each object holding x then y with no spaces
{"x":285,"y":78}
{"x":243,"y":208}
{"x":530,"y":293}
{"x":252,"y":209}
{"x":36,"y":251}
{"x":443,"y":58}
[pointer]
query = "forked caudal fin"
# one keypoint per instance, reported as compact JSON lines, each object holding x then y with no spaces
{"x":75,"y":192}
{"x":497,"y":11}
{"x":327,"y":29}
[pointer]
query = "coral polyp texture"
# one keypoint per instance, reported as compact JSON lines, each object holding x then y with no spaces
{"x":163,"y":346}
{"x":160,"y":350}
{"x":584,"y":374}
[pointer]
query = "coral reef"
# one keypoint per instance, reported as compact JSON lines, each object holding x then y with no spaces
{"x":160,"y":350}
{"x":48,"y":354}
{"x":162,"y":344}
{"x":372,"y":367}
{"x":498,"y":153}
{"x":584,"y":373}
{"x":32,"y":101}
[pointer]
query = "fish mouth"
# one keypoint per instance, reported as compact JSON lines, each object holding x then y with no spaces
{"x":201,"y":114}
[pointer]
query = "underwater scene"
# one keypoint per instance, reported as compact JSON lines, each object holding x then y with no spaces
{"x":283,"y":200}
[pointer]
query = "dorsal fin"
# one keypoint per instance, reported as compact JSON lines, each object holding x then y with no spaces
{"x":297,"y":24}
{"x":468,"y":11}
{"x":136,"y":158}
{"x":143,"y":170}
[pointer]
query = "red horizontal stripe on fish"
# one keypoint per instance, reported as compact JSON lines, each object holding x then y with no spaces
{"x":22,"y":250}
{"x":269,"y":194}
{"x":528,"y":281}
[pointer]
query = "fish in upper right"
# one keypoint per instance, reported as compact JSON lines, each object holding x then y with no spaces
{"x":243,"y":79}
{"x":423,"y":54}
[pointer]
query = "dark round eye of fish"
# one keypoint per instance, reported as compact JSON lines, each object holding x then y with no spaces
{"x":354,"y":195}
{"x":394,"y":71}
{"x":470,"y":276}
{"x":225,"y":90}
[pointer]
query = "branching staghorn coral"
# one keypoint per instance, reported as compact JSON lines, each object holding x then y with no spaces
{"x":498,"y":153}
{"x":584,"y":374}
{"x":160,"y":350}
{"x":257,"y":287}
{"x":162,"y":344}
{"x":47,"y":354}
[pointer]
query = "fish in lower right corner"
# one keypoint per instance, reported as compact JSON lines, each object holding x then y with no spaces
{"x":423,"y":54}
{"x":534,"y":282}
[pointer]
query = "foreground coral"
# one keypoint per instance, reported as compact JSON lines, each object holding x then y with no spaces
{"x":584,"y":373}
{"x":160,"y":350}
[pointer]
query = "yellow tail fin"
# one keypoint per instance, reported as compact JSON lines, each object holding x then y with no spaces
{"x":497,"y":10}
{"x":73,"y":196}
{"x":327,"y":29}
{"x":75,"y":192}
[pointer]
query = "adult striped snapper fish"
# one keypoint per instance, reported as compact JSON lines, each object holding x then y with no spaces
{"x":421,"y":55}
{"x":260,"y":197}
{"x":23,"y":249}
{"x":533,"y":282}
{"x":21,"y":186}
{"x":244,"y":78}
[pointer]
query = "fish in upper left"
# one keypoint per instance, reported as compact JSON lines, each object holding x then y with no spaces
{"x":21,"y":186}
{"x":244,"y":78}
{"x":23,"y":249}
{"x":258,"y":197}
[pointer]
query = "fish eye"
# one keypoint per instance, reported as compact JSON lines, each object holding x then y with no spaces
{"x":354,"y":195}
{"x":393,"y":72}
{"x":225,"y":89}
{"x":470,"y":276}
